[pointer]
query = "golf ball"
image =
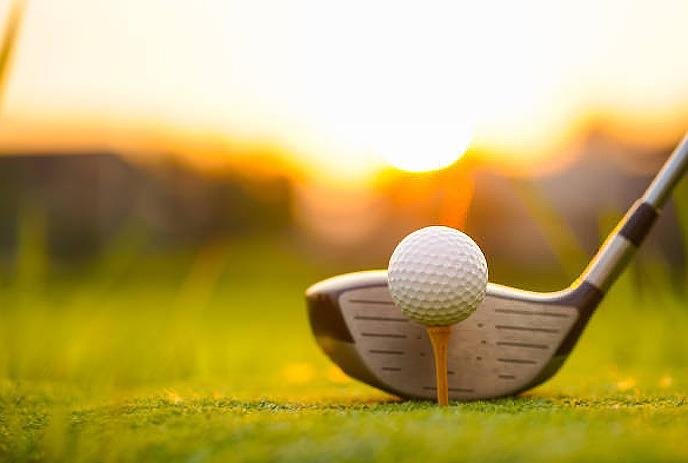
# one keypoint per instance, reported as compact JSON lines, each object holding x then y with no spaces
{"x":437,"y":276}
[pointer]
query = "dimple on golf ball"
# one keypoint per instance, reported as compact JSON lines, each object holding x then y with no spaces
{"x":437,"y":276}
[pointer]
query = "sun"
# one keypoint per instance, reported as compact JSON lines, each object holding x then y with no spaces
{"x":424,"y":147}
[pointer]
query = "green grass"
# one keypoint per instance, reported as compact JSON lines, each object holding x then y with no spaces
{"x":208,"y":357}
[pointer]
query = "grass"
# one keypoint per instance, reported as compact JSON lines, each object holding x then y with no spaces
{"x":208,"y":357}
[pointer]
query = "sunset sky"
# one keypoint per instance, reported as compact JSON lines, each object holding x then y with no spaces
{"x":346,"y":85}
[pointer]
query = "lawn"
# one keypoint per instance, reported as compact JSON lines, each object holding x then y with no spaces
{"x":208,"y":357}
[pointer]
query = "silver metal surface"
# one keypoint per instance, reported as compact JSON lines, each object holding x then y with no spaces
{"x":609,"y":262}
{"x":671,"y":173}
{"x":501,"y":349}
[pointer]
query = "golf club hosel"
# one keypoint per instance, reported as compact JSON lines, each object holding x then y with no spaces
{"x":610,"y":261}
{"x":622,"y":243}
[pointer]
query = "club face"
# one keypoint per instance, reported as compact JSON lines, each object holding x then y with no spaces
{"x":514,"y":340}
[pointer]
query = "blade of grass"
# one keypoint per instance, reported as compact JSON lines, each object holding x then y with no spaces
{"x":32,"y":252}
{"x":9,"y":43}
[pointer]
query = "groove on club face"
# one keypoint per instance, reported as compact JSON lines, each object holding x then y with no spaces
{"x":512,"y":342}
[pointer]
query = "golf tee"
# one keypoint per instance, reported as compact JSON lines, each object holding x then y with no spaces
{"x":439,"y":337}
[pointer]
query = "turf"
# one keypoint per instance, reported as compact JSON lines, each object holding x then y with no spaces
{"x":192,"y":358}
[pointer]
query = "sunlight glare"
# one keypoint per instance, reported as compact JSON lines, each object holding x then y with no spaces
{"x":307,"y":75}
{"x":421,"y":148}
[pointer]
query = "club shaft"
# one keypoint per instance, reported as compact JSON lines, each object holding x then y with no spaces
{"x":671,"y":173}
{"x":617,"y":250}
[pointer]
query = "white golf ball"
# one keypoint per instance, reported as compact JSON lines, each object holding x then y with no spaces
{"x":437,"y":276}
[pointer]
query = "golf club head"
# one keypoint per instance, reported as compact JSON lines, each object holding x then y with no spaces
{"x":514,"y":340}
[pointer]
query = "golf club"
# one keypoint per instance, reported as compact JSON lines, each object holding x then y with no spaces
{"x":514,"y":341}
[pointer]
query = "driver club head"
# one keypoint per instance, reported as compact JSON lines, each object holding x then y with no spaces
{"x":514,"y":340}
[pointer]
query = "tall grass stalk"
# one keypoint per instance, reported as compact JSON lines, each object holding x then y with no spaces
{"x":9,"y":43}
